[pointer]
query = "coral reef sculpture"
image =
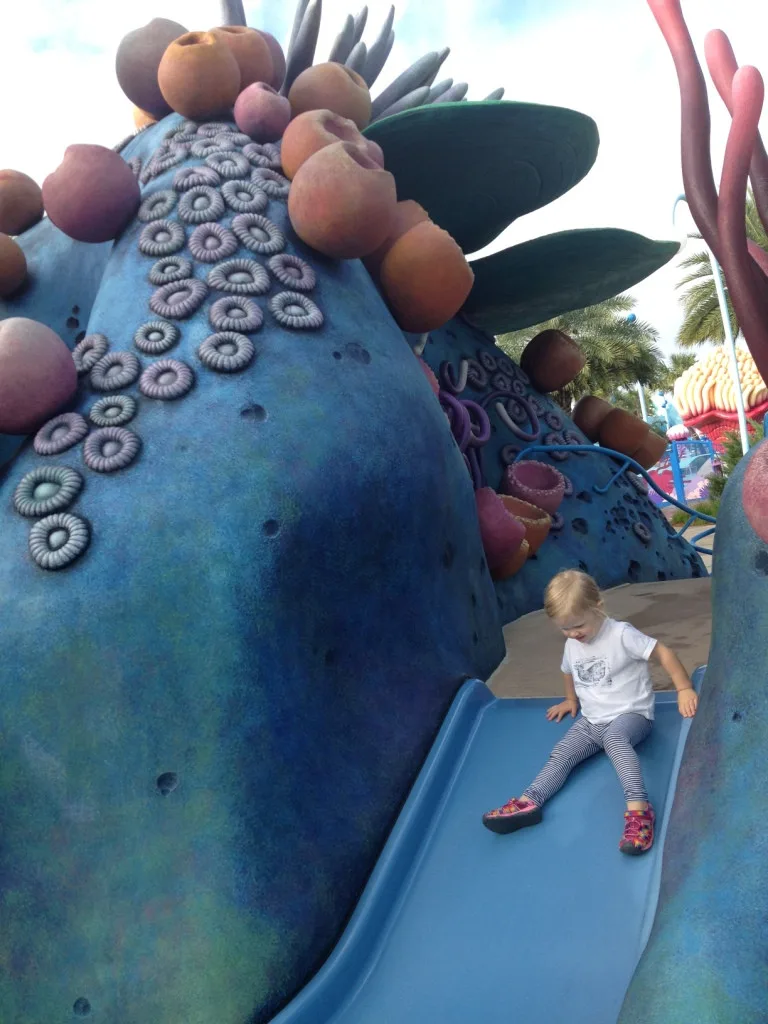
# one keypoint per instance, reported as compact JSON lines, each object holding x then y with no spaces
{"x":706,"y":397}
{"x":720,"y":215}
{"x":257,"y":519}
{"x":705,"y":958}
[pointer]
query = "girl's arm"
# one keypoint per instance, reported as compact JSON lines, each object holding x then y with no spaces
{"x":686,"y":695}
{"x":570,"y":689}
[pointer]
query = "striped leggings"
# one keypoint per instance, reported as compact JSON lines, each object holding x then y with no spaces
{"x":618,"y":739}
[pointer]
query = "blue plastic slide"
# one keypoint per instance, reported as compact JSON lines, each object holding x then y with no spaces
{"x":459,"y":925}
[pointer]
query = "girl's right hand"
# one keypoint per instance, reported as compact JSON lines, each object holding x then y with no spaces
{"x":558,"y":712}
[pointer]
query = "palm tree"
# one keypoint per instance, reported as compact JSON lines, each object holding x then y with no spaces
{"x":619,"y":352}
{"x":702,"y":322}
{"x":676,"y":366}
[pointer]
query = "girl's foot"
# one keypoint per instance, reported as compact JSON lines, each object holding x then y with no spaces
{"x":637,"y":837}
{"x":515,"y":814}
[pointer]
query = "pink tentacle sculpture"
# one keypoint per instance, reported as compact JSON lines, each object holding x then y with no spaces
{"x":698,"y":179}
{"x":722,"y":220}
{"x":747,"y":289}
{"x":723,"y":65}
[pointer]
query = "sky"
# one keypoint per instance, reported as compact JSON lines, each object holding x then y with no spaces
{"x":605,"y":58}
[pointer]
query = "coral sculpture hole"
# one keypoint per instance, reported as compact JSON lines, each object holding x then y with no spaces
{"x":257,"y":413}
{"x":358,"y":154}
{"x":167,"y":782}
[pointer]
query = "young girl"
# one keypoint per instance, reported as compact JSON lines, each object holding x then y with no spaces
{"x":605,"y":669}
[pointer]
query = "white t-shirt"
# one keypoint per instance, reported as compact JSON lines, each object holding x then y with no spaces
{"x":610,"y":673}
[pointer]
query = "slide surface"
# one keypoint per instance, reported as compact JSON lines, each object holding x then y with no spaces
{"x":544,"y":926}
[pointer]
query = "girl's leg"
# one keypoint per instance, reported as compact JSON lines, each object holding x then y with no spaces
{"x":619,"y":740}
{"x":576,"y":746}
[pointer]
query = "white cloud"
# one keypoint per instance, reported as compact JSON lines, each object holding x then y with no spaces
{"x":58,"y":74}
{"x":605,"y":59}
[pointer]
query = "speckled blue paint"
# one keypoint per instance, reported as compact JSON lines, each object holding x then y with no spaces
{"x":281,"y":597}
{"x":706,"y":957}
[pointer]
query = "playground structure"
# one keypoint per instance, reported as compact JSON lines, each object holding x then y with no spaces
{"x":431,"y":938}
{"x":684,"y":470}
{"x":247,"y":576}
{"x":642,"y":478}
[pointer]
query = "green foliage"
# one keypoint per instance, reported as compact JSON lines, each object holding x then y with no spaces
{"x":551,"y":275}
{"x":618,"y":353}
{"x":629,"y":400}
{"x":476,"y":167}
{"x":731,"y":456}
{"x":702,"y":322}
{"x":676,"y":366}
{"x":709,"y":507}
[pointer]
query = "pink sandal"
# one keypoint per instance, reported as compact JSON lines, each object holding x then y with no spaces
{"x":516,"y":813}
{"x":637,"y":837}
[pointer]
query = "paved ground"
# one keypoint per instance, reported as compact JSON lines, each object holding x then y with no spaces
{"x":677,"y":612}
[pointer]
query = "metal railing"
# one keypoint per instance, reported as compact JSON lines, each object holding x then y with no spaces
{"x":628,"y":463}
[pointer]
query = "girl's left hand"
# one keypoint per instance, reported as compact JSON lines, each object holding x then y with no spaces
{"x":687,"y":702}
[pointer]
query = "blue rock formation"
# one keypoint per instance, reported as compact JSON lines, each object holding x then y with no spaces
{"x":618,"y":536}
{"x":212,"y":716}
{"x":272,"y":586}
{"x":705,"y":960}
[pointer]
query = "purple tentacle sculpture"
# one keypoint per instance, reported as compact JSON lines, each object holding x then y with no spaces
{"x":470,"y":425}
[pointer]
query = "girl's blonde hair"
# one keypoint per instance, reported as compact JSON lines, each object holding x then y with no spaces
{"x":571,"y":592}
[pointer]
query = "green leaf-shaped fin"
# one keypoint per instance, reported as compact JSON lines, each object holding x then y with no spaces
{"x":533,"y":282}
{"x":476,"y":167}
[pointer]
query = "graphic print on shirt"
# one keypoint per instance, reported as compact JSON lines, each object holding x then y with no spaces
{"x":593,"y":672}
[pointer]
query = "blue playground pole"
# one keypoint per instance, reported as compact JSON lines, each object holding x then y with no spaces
{"x":677,"y":475}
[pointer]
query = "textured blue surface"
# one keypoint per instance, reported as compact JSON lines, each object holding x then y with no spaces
{"x":597,"y":533}
{"x":282,"y":595}
{"x":707,"y":957}
{"x":539,"y":927}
